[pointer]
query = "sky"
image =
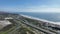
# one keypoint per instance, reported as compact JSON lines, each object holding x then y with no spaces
{"x":30,"y":5}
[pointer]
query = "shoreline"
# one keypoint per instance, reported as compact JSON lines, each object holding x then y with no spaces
{"x":57,"y":23}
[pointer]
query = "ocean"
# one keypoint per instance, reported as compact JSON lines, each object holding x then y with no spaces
{"x":55,"y":17}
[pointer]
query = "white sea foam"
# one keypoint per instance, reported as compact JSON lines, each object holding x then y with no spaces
{"x":58,"y":23}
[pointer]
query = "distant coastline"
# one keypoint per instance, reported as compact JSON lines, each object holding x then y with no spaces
{"x":57,"y":23}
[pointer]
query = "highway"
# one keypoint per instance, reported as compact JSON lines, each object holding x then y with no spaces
{"x":23,"y":21}
{"x":16,"y":28}
{"x":34,"y":26}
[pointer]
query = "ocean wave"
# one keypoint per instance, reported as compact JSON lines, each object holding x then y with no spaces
{"x":58,"y":23}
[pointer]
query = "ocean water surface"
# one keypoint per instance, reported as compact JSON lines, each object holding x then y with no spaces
{"x":55,"y":17}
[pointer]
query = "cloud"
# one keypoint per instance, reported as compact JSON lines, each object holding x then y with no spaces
{"x":32,"y":9}
{"x":34,"y":6}
{"x":42,"y":10}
